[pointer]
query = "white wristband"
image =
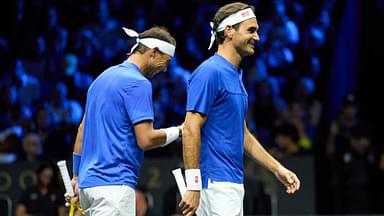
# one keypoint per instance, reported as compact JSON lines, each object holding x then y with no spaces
{"x":172,"y":134}
{"x":193,"y":179}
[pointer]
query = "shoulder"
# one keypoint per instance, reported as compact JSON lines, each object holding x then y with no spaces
{"x":136,"y":87}
{"x":127,"y":75}
{"x":208,"y":69}
{"x":211,"y":64}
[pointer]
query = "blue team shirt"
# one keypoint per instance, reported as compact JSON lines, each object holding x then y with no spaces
{"x":119,"y":98}
{"x":217,"y":91}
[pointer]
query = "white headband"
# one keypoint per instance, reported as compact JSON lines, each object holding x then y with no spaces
{"x":163,"y":46}
{"x":233,"y":19}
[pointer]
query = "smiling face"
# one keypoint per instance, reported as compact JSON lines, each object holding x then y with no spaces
{"x":245,"y":37}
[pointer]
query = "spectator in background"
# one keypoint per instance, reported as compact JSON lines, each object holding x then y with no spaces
{"x":28,"y":88}
{"x":10,"y":144}
{"x":32,"y":147}
{"x":297,"y":116}
{"x":77,"y":81}
{"x":179,"y":78}
{"x":62,"y":115}
{"x":267,"y":107}
{"x":106,"y":29}
{"x":303,"y":94}
{"x":10,"y":108}
{"x":286,"y":138}
{"x":5,"y":58}
{"x":44,"y":198}
{"x":42,"y":123}
{"x":87,"y":48}
{"x":35,"y":62}
{"x":349,"y":149}
{"x":62,"y":109}
{"x":57,"y":40}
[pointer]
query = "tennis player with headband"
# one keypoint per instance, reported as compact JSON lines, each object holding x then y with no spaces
{"x":215,"y":134}
{"x":118,"y":126}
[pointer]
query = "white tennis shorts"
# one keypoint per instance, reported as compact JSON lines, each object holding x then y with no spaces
{"x":221,"y":199}
{"x":112,"y":200}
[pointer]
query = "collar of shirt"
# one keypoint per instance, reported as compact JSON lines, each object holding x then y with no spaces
{"x":236,"y":70}
{"x":128,"y":64}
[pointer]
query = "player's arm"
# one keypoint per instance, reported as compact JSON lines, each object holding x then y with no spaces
{"x":79,"y":138}
{"x":76,"y":158}
{"x":77,"y":149}
{"x":193,"y":123}
{"x":149,"y":138}
{"x":257,"y":152}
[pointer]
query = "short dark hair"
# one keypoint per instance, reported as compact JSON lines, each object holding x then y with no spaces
{"x":158,"y":32}
{"x":287,"y":129}
{"x":223,"y":13}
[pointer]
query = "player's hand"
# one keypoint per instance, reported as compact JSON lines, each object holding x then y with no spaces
{"x":75,"y":185}
{"x":190,"y":202}
{"x":72,"y":199}
{"x":288,"y":179}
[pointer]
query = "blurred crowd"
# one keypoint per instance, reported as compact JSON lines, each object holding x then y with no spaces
{"x":53,"y":50}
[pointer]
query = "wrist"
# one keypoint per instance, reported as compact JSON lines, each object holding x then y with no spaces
{"x":279,"y":169}
{"x":172,"y":134}
{"x":193,"y":179}
{"x":275,"y":167}
{"x":76,"y":158}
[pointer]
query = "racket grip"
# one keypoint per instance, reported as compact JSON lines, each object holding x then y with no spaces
{"x":65,"y":176}
{"x":179,"y":181}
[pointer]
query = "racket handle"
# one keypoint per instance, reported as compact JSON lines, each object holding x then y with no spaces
{"x":179,"y":181}
{"x":65,"y":176}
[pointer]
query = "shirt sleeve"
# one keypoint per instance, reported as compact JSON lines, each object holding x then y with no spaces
{"x":202,"y":91}
{"x":138,"y":102}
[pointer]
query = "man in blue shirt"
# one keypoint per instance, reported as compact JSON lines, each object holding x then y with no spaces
{"x":118,"y":126}
{"x":215,"y":134}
